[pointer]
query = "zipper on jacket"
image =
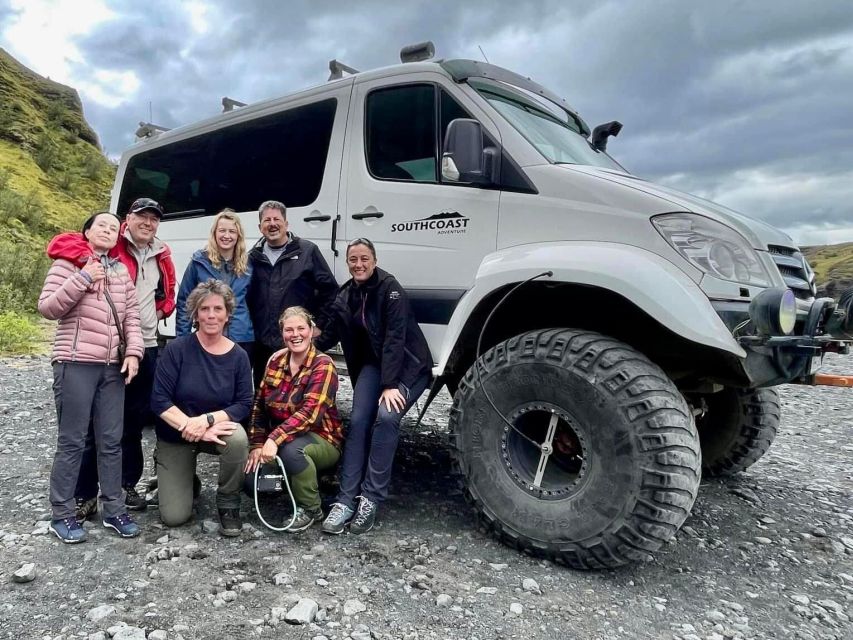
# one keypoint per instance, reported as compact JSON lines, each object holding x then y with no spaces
{"x":76,"y":335}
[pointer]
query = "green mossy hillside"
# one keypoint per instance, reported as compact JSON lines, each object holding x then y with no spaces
{"x":53,"y":175}
{"x":833,"y":267}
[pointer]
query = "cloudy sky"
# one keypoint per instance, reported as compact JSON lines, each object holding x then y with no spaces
{"x":747,"y":102}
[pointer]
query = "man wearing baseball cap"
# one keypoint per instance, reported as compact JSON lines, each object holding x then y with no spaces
{"x":149,"y":261}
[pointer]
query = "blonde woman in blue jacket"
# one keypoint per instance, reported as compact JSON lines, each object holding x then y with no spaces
{"x":224,"y":259}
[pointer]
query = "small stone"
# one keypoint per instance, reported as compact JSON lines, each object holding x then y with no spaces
{"x":100,"y":612}
{"x":443,"y":600}
{"x":322,"y":583}
{"x":516,"y":609}
{"x":800,"y":599}
{"x":847,"y":542}
{"x":715,"y":616}
{"x":352,"y":607}
{"x":100,"y":635}
{"x":158,"y":634}
{"x":303,"y":612}
{"x":27,"y":573}
{"x":489,"y":591}
{"x":498,"y":566}
{"x":530,"y":585}
{"x":282,"y":578}
{"x":246,"y":587}
{"x":228,"y":596}
{"x":163,"y":539}
{"x":209,"y":526}
{"x":114,"y":629}
{"x":819,"y":532}
{"x":130,"y":633}
{"x":763,"y":540}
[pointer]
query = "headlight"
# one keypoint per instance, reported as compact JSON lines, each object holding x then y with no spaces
{"x":713,"y":248}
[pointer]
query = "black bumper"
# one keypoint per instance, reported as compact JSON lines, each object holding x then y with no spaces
{"x":772,"y":360}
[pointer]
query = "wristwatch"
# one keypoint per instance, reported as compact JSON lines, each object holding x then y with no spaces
{"x":210,"y":420}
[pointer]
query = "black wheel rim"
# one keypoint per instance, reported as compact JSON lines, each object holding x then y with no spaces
{"x":548,"y":473}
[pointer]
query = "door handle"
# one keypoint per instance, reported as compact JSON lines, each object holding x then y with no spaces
{"x":317,"y":219}
{"x":364,"y":215}
{"x":335,"y":251}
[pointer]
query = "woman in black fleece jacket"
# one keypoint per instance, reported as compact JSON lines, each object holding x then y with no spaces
{"x":389,"y":363}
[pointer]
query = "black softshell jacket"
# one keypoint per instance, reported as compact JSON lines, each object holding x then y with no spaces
{"x":300,"y":277}
{"x":395,"y":337}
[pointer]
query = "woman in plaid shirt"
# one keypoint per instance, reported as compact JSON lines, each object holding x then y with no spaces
{"x":294,"y":415}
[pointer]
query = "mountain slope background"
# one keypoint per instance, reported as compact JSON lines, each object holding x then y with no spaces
{"x":53,"y":175}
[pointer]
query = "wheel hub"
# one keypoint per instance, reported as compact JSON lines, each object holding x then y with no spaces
{"x":545,"y":450}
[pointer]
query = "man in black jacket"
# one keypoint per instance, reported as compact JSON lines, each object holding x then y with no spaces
{"x":286,"y":271}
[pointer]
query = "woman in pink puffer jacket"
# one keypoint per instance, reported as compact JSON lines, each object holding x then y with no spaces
{"x":88,"y":378}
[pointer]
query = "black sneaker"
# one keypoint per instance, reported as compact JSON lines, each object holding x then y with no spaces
{"x":365,"y":516}
{"x":133,"y":501}
{"x":86,"y":508}
{"x":230,"y":524}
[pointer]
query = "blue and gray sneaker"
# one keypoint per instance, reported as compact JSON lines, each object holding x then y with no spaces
{"x":337,"y":519}
{"x":123,"y":525}
{"x":69,"y":530}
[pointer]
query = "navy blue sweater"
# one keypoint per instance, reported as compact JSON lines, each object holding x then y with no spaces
{"x":198,"y":382}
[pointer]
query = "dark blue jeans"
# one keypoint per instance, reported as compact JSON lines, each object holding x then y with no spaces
{"x":371,"y":440}
{"x":137,"y":414}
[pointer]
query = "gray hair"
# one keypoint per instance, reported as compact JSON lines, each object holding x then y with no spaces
{"x":203,"y":291}
{"x":272,"y":204}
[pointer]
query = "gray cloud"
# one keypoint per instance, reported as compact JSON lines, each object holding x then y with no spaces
{"x":740,"y":102}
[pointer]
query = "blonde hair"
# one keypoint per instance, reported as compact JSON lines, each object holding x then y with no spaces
{"x":241,"y":258}
{"x":296,"y":312}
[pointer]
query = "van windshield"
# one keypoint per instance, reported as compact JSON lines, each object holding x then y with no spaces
{"x":556,"y":135}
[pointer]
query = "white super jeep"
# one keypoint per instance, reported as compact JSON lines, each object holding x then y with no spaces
{"x":640,"y":350}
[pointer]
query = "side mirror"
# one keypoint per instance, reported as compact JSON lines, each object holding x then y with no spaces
{"x":465,"y":158}
{"x":604,"y":131}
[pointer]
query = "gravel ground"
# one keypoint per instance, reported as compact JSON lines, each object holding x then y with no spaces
{"x":768,"y":554}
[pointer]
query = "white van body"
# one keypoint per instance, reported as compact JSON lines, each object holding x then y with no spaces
{"x":588,"y":224}
{"x":634,"y":307}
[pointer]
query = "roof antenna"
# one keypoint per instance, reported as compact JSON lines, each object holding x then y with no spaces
{"x":484,"y":53}
{"x":150,"y":113}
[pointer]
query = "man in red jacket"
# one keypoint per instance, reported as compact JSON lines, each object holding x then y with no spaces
{"x":149,"y":261}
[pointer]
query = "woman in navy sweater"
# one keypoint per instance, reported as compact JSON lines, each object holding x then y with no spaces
{"x":202,"y":390}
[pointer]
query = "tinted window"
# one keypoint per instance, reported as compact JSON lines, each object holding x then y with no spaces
{"x":402,"y":141}
{"x":277,"y":157}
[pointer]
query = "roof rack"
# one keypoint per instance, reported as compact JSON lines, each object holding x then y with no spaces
{"x":337,"y":70}
{"x":149,"y":130}
{"x":229,"y":104}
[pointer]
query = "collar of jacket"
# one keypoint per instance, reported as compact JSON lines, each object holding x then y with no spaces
{"x":156,"y":245}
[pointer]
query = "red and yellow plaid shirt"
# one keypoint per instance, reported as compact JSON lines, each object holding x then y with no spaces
{"x":288,"y":405}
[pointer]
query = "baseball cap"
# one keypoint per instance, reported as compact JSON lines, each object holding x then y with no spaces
{"x":146,"y":204}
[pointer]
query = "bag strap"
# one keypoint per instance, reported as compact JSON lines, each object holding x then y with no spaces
{"x":115,"y":314}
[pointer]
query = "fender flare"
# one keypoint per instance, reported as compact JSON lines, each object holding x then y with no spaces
{"x":677,"y":301}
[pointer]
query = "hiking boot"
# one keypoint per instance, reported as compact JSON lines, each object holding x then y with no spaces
{"x":133,"y":501}
{"x":365,"y":516}
{"x":86,"y":508}
{"x":68,"y":530}
{"x":123,"y":525}
{"x":230,"y":524}
{"x":337,"y":519}
{"x":304,"y":519}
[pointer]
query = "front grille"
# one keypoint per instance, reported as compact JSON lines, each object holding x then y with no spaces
{"x":795,"y":270}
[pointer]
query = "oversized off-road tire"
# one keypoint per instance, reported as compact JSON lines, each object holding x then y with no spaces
{"x":737,"y":429}
{"x":626,"y":460}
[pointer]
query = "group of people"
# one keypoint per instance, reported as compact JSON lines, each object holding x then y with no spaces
{"x":245,"y":379}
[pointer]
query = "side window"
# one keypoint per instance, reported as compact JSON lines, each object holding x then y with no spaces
{"x":402,"y":140}
{"x":400,"y":137}
{"x":281,"y":156}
